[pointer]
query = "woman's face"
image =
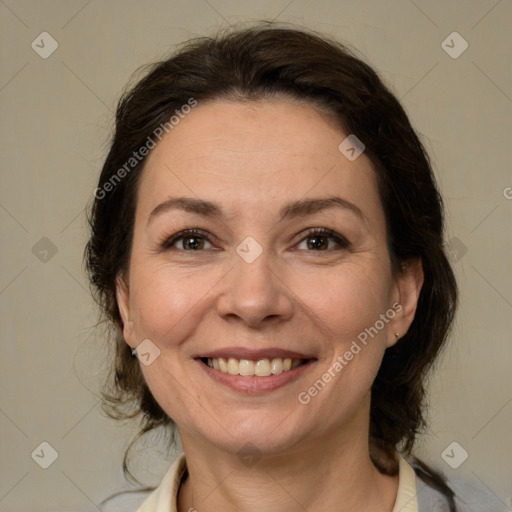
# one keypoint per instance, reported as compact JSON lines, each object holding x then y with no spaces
{"x":256,"y":283}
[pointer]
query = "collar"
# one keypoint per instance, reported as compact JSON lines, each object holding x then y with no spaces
{"x":165,"y":497}
{"x":406,"y":500}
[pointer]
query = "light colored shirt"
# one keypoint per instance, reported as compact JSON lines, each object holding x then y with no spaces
{"x":164,"y":498}
{"x":413,"y":494}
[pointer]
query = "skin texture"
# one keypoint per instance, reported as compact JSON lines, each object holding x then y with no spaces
{"x":251,"y":159}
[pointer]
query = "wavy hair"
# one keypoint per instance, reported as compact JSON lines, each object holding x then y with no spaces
{"x":257,"y":63}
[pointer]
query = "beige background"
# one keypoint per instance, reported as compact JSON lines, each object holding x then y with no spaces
{"x":56,"y":118}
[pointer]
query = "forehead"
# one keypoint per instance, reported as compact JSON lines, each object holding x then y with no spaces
{"x":229,"y":128}
{"x":250,"y":155}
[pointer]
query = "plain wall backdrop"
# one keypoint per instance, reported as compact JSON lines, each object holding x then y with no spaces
{"x":57,"y":114}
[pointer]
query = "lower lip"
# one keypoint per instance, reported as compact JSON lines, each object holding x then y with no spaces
{"x":255,"y":385}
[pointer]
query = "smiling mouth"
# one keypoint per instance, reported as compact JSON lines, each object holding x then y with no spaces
{"x":247,"y":368}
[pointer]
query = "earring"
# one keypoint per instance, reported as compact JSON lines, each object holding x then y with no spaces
{"x":397,"y":335}
{"x":134,"y":352}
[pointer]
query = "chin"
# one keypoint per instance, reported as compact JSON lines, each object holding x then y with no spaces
{"x":264,"y":432}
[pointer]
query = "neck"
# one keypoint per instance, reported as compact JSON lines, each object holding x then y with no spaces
{"x":331,"y":473}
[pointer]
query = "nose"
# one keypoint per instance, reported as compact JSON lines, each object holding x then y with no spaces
{"x":256,"y":293}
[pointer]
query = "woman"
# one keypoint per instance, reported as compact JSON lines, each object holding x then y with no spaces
{"x":267,"y":238}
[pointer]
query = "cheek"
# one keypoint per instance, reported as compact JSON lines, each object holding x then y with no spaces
{"x":167,"y":301}
{"x":346,"y":307}
{"x":346,"y":300}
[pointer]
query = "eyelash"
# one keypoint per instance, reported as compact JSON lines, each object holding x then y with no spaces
{"x":342,"y":242}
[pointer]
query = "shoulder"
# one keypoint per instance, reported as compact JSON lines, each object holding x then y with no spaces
{"x":125,"y":502}
{"x":476,"y":497}
{"x":163,"y":498}
{"x":470,"y":496}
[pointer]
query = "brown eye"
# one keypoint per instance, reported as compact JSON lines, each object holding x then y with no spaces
{"x":318,"y":240}
{"x":192,"y":240}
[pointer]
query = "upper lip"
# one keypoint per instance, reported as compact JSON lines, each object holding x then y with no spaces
{"x":254,"y":355}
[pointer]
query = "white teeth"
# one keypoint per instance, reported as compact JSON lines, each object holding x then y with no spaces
{"x":260,"y":368}
{"x":276,"y":366}
{"x":246,"y":367}
{"x":223,"y":365}
{"x":233,"y":366}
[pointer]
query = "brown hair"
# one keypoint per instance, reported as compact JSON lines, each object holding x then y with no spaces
{"x":258,"y":63}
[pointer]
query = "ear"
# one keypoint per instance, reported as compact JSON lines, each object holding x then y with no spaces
{"x":123,"y":303}
{"x":405,"y":299}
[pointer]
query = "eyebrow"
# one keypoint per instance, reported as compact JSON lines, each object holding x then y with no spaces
{"x":300,"y":208}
